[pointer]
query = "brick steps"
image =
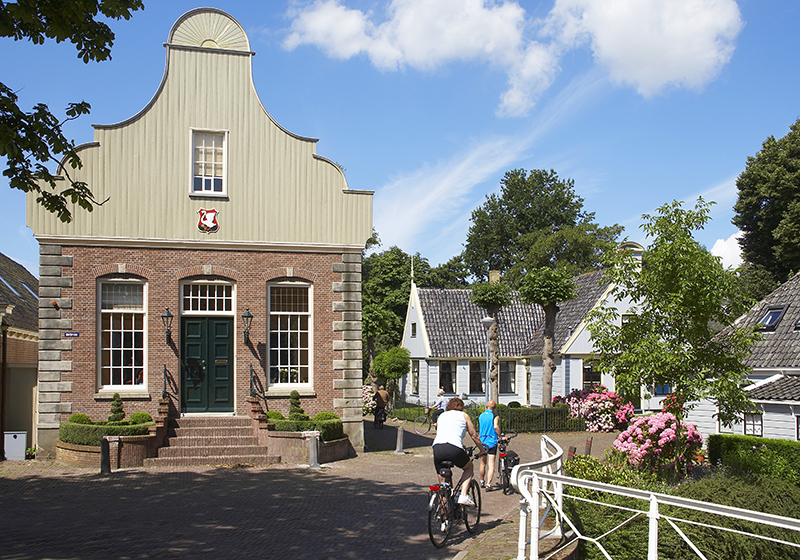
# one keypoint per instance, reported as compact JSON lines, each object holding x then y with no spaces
{"x":214,"y":441}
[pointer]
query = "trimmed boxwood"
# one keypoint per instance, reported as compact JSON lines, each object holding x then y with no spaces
{"x":92,"y":434}
{"x":329,"y":430}
{"x":140,"y":418}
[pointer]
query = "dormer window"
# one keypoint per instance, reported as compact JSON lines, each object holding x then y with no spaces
{"x":771,"y":318}
{"x":209,"y":158}
{"x":413,"y":330}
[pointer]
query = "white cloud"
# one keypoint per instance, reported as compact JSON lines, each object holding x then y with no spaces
{"x":648,"y":44}
{"x":651,"y":44}
{"x":728,"y":250}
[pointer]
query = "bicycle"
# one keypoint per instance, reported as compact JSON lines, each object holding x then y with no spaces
{"x":423,"y":422}
{"x":507,"y":460}
{"x":380,"y":418}
{"x":444,"y":511}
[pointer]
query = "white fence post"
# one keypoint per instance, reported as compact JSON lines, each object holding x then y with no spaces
{"x":652,"y":537}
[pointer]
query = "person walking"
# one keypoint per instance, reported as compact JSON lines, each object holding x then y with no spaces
{"x":489,"y":429}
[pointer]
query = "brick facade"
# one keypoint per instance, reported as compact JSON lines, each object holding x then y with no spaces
{"x":68,"y":367}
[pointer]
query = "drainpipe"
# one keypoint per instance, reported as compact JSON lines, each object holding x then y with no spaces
{"x":3,"y":383}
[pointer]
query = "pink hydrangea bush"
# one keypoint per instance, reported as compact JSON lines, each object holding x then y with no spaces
{"x":654,"y":443}
{"x":603,"y":410}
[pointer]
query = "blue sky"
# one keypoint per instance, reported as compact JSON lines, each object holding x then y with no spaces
{"x":429,"y":102}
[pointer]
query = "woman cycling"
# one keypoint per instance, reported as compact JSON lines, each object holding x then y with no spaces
{"x":448,"y":446}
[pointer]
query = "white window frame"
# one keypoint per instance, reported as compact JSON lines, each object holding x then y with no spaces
{"x":414,"y":377}
{"x":754,"y":424}
{"x":511,"y":372}
{"x":193,"y":160}
{"x":279,"y":385}
{"x":481,"y":366}
{"x":100,"y":346}
{"x":199,"y":284}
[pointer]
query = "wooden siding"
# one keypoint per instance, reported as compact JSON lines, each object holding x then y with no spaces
{"x":278,"y":190}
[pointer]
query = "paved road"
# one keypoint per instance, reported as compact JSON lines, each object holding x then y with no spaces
{"x":373,"y":506}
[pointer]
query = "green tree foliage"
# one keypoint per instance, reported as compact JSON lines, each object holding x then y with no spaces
{"x":492,"y":296}
{"x":385,"y":288}
{"x":393,"y":364}
{"x":117,"y":409}
{"x":536,"y":221}
{"x":755,"y":281}
{"x":679,"y":292}
{"x":547,"y":287}
{"x":768,"y":206}
{"x":30,"y":141}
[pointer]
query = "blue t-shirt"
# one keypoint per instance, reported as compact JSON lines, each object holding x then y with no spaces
{"x":486,"y":429}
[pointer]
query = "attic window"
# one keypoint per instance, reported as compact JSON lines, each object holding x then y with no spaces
{"x":413,"y":330}
{"x":771,"y":318}
{"x":9,"y":286}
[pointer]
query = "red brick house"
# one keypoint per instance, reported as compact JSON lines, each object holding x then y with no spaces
{"x":226,"y":246}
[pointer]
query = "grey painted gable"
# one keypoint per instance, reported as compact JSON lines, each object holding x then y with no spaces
{"x":453,"y":324}
{"x":590,"y":288}
{"x":781,"y":348}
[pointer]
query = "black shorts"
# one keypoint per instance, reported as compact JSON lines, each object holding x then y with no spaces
{"x":492,"y":450}
{"x":449,"y":452}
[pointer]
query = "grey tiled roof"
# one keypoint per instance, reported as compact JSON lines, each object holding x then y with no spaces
{"x":590,"y":287}
{"x":453,"y":324}
{"x":786,"y":388}
{"x":780,"y":348}
{"x":26,"y":307}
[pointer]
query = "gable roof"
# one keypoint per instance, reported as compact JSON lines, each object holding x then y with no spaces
{"x":453,"y":324}
{"x":779,"y":388}
{"x":14,"y":279}
{"x":779,"y":348}
{"x":590,"y":287}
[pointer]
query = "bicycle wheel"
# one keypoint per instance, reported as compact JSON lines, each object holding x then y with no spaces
{"x":507,"y":488}
{"x":472,"y":515}
{"x":439,"y":522}
{"x":422,"y":425}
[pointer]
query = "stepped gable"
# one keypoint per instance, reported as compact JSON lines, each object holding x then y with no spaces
{"x":453,"y":323}
{"x":590,"y":288}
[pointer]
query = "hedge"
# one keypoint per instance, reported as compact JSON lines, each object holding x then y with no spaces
{"x":329,"y":430}
{"x":776,"y":458}
{"x":754,"y":493}
{"x":92,"y":434}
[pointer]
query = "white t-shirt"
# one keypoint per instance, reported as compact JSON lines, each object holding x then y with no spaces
{"x":451,"y":427}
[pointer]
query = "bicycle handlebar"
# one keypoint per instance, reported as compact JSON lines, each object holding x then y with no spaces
{"x":507,"y":436}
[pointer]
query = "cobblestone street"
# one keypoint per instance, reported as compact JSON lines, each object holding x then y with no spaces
{"x":373,"y":506}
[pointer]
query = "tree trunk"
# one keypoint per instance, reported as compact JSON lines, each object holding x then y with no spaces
{"x":494,"y":359}
{"x":548,"y":364}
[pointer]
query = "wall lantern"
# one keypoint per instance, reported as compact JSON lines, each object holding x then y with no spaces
{"x":247,"y":321}
{"x":166,"y":320}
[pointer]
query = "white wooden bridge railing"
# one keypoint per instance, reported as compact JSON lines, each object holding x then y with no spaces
{"x":542,"y":483}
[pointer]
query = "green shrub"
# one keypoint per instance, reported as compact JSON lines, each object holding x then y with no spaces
{"x":328,"y":429}
{"x":140,"y":418}
{"x":80,"y":419}
{"x":92,"y":434}
{"x":117,"y":409}
{"x":776,"y":458}
{"x":409,"y":413}
{"x":299,"y":416}
{"x":274,"y":415}
{"x":754,"y":493}
{"x":294,"y":404}
{"x":289,"y":425}
{"x":325,"y":415}
{"x":514,"y":404}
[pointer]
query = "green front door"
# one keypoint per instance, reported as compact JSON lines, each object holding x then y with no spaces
{"x":207,"y":364}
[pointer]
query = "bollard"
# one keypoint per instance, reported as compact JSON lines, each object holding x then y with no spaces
{"x":313,"y":456}
{"x":105,"y":457}
{"x":398,"y":450}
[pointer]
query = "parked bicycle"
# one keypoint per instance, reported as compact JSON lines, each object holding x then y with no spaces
{"x":507,"y":460}
{"x":444,"y":511}
{"x":423,"y":422}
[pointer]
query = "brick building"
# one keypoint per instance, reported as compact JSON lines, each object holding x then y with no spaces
{"x":19,"y":343}
{"x":227,"y":256}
